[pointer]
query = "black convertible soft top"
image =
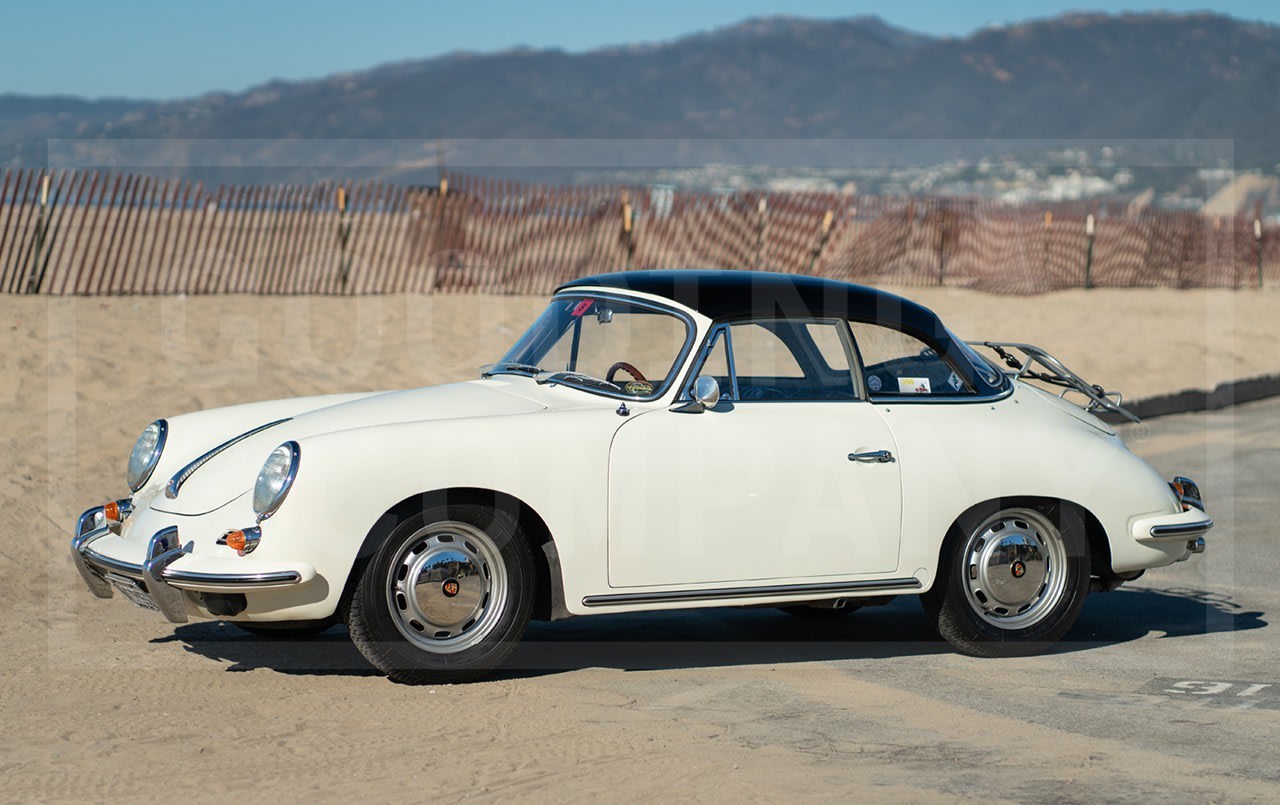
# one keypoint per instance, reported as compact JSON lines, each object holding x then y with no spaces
{"x":725,"y":295}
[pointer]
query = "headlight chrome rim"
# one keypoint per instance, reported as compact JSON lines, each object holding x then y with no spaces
{"x":291,"y":473}
{"x":144,"y":475}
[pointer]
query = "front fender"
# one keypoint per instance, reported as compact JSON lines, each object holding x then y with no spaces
{"x":347,"y":480}
{"x":191,"y":435}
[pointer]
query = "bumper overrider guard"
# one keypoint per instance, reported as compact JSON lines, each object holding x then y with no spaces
{"x":156,"y":584}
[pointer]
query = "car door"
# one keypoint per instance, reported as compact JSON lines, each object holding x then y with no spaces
{"x":760,"y":487}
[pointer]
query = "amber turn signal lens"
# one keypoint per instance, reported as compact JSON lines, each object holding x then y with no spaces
{"x":235,"y":540}
{"x":111,"y":512}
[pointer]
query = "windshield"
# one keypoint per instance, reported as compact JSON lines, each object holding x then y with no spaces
{"x":602,"y":345}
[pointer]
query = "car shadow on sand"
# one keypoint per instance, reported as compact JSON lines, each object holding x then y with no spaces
{"x":735,"y":636}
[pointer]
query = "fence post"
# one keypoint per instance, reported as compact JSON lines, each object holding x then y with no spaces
{"x":344,"y":235}
{"x":1088,"y":256}
{"x":433,"y":267}
{"x":1257,"y":237}
{"x":628,"y":230}
{"x":942,"y":245}
{"x":1048,"y":223}
{"x":33,"y":277}
{"x":761,"y":208}
{"x":823,"y":234}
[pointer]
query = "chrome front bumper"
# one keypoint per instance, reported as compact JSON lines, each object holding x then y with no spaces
{"x":156,"y":583}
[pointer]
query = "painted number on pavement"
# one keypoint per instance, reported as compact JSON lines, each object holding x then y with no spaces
{"x":1232,"y":693}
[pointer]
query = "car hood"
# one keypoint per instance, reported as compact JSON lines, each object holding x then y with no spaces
{"x":232,"y":470}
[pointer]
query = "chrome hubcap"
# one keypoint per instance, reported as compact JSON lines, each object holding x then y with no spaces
{"x":447,"y":587}
{"x":1015,"y":569}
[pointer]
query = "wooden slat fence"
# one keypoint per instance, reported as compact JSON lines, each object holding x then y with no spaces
{"x":100,"y":233}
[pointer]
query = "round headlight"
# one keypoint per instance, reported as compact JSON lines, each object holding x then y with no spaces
{"x":146,"y":454}
{"x":275,"y":478}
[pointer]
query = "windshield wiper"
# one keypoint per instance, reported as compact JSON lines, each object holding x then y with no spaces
{"x":543,"y":378}
{"x":508,"y":366}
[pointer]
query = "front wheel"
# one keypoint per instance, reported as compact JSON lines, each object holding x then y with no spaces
{"x":448,"y":596}
{"x":1011,"y":581}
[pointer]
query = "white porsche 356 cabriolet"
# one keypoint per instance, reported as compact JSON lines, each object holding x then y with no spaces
{"x":656,"y":440}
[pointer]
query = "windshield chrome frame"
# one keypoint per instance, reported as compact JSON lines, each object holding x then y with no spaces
{"x":677,"y":366}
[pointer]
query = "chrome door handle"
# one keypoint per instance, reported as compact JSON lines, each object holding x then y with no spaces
{"x":881,"y":456}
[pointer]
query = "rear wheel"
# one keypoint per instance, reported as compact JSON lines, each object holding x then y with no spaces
{"x":1011,"y":580}
{"x":448,"y":596}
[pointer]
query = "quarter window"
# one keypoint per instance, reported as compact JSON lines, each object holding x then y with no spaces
{"x":786,"y":359}
{"x":895,"y":363}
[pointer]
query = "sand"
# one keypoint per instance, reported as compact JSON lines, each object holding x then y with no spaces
{"x":101,"y":700}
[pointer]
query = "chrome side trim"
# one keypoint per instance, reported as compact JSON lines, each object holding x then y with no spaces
{"x":172,"y":488}
{"x":1181,"y":530}
{"x":731,"y":593}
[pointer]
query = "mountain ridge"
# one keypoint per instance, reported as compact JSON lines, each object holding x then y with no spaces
{"x":1082,"y":75}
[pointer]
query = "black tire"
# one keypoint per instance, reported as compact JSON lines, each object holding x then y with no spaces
{"x":819,"y":613}
{"x":954,"y":605}
{"x":498,"y":560}
{"x":287,"y":630}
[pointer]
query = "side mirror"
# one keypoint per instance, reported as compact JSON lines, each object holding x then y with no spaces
{"x":706,"y":393}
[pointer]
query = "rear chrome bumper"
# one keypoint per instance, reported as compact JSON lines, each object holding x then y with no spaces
{"x":1187,"y":526}
{"x":1189,"y":530}
{"x":156,"y":583}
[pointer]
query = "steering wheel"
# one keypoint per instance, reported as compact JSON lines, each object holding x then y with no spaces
{"x":628,"y":368}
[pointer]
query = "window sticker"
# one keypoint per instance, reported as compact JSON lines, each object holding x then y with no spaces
{"x":955,"y":382}
{"x":914,"y":385}
{"x":874,"y":382}
{"x":581,"y":308}
{"x":638,"y":388}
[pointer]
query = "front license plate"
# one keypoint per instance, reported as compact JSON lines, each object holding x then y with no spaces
{"x":133,"y":591}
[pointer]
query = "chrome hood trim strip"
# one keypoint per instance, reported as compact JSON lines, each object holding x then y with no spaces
{"x":172,"y":488}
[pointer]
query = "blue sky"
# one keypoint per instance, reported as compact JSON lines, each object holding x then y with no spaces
{"x":172,"y":48}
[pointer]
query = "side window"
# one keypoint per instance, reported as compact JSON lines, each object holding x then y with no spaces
{"x":788,"y":359}
{"x":759,"y":353}
{"x":832,"y":348}
{"x":896,"y":363}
